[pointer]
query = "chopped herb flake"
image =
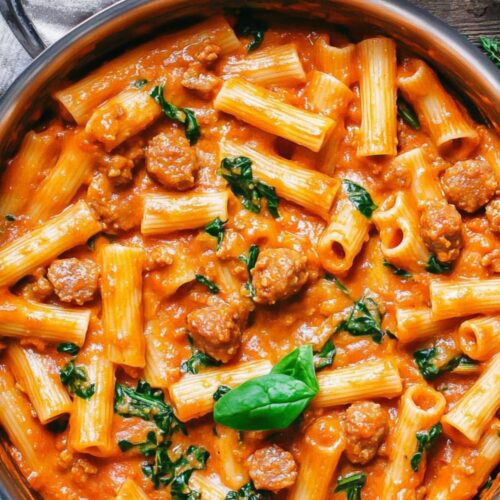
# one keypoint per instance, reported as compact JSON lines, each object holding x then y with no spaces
{"x":359,"y":197}
{"x":352,"y":484}
{"x":10,"y":218}
{"x":397,"y":270}
{"x":425,"y":439}
{"x":427,"y":368}
{"x":212,"y":287}
{"x":434,"y":266}
{"x":248,"y":492}
{"x":138,"y":84}
{"x":407,"y":113}
{"x":68,"y":348}
{"x":221,"y":390}
{"x":197,"y":360}
{"x":325,"y":356}
{"x":75,"y":379}
{"x":248,"y":25}
{"x":250,"y":261}
{"x":216,"y":229}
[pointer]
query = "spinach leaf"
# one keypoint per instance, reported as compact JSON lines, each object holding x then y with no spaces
{"x":425,"y":439}
{"x":75,"y":379}
{"x":238,"y":173}
{"x":216,"y":229}
{"x":184,"y":116}
{"x":250,"y":261}
{"x":221,"y":390}
{"x":491,"y":46}
{"x":352,"y":484}
{"x":364,"y":319}
{"x":68,"y":348}
{"x":397,"y":270}
{"x":248,"y":25}
{"x":147,"y":404}
{"x":407,"y":113}
{"x":299,"y":365}
{"x":423,"y":358}
{"x":434,"y":266}
{"x":359,"y":197}
{"x":138,"y":84}
{"x":248,"y":492}
{"x":325,"y":356}
{"x":197,"y":360}
{"x":212,"y":287}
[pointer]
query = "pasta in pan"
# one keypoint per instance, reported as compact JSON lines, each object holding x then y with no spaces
{"x":253,"y":259}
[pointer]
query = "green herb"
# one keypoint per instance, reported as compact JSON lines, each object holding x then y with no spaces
{"x":147,"y":404}
{"x":184,"y":116}
{"x":248,"y":492}
{"x":197,"y":360}
{"x":138,"y":84}
{"x":10,"y":218}
{"x":272,"y":401}
{"x":359,"y":197}
{"x":466,"y":361}
{"x":407,"y":113}
{"x":397,"y":270}
{"x":250,"y":261}
{"x":425,"y":439}
{"x":221,"y":390}
{"x":216,"y":229}
{"x":248,"y":25}
{"x":491,"y":47}
{"x":434,"y":266}
{"x":212,"y":287}
{"x":238,"y":173}
{"x":364,"y":319}
{"x":338,"y":283}
{"x":75,"y":379}
{"x":68,"y":348}
{"x":351,"y":484}
{"x":325,"y":356}
{"x":427,"y":368}
{"x":390,"y":334}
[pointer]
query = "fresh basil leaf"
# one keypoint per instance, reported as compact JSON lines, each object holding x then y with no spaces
{"x":221,"y":390}
{"x":250,"y":261}
{"x":491,"y":47}
{"x":184,"y":116}
{"x":212,"y":287}
{"x":397,"y":270}
{"x":299,"y":365}
{"x":238,"y":173}
{"x":325,"y":356}
{"x":407,"y":113}
{"x":271,"y":401}
{"x":138,"y":84}
{"x":68,"y":348}
{"x":423,"y":358}
{"x":248,"y":492}
{"x":248,"y":25}
{"x":359,"y":197}
{"x":425,"y":439}
{"x":216,"y":229}
{"x":434,"y":266}
{"x":75,"y":379}
{"x":352,"y":484}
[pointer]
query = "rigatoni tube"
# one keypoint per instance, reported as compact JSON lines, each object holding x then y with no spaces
{"x":340,"y":62}
{"x":263,"y":109}
{"x":479,"y":338}
{"x":208,"y":485}
{"x":130,"y":490}
{"x":121,"y":291}
{"x":70,"y":228}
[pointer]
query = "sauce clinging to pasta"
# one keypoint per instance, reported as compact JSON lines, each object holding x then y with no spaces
{"x":253,"y":259}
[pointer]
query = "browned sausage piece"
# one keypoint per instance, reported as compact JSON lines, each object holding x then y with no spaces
{"x":216,"y":330}
{"x":38,"y":290}
{"x":272,"y":468}
{"x":209,"y":54}
{"x":74,"y":280}
{"x":441,"y":228}
{"x":197,"y":78}
{"x":171,"y":160}
{"x":365,"y":427}
{"x":469,"y":184}
{"x":493,"y":214}
{"x":278,"y":274}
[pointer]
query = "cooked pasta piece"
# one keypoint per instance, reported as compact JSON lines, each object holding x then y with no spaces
{"x":81,"y":98}
{"x":321,"y":449}
{"x":467,"y":420}
{"x":263,"y":109}
{"x":479,"y":338}
{"x":397,"y":222}
{"x":343,"y":238}
{"x":307,"y":188}
{"x":37,"y":376}
{"x":233,"y":472}
{"x":451,"y":299}
{"x":420,"y":409}
{"x":90,"y":429}
{"x":121,"y":292}
{"x":59,"y":187}
{"x":370,"y":379}
{"x":280,"y":65}
{"x":130,"y":490}
{"x":436,"y":109}
{"x":72,"y":227}
{"x":340,"y":62}
{"x":21,"y":318}
{"x":418,"y":323}
{"x":168,"y":213}
{"x":193,"y":394}
{"x":209,"y":485}
{"x":37,"y":152}
{"x":378,"y":132}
